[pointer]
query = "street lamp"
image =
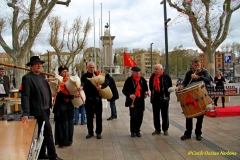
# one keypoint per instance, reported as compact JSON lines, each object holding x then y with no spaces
{"x":151,"y":56}
{"x":166,"y":33}
{"x":48,"y":63}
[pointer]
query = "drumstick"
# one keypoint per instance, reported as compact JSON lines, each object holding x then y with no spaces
{"x":79,"y":93}
{"x":191,"y":78}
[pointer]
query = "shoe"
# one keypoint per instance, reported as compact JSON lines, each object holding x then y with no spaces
{"x":215,"y":104}
{"x":61,"y":146}
{"x":89,"y":136}
{"x":156,"y":132}
{"x":198,"y":137}
{"x":99,"y":136}
{"x":83,"y":123}
{"x":138,"y":134}
{"x":184,"y":137}
{"x":56,"y":158}
{"x":110,"y":118}
{"x":165,"y":133}
{"x":75,"y":123}
{"x":45,"y":156}
{"x":133,"y":135}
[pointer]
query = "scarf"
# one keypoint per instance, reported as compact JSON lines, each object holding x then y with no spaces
{"x":138,"y":88}
{"x":156,"y":82}
{"x":63,"y":88}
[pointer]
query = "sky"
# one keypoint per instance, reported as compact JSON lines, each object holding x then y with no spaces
{"x":134,"y":23}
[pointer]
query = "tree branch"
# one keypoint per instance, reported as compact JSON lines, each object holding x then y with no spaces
{"x":15,"y":32}
{"x":64,"y":3}
{"x":5,"y":46}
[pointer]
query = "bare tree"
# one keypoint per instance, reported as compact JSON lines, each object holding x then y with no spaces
{"x":235,"y":48}
{"x":26,"y":22}
{"x":209,"y":29}
{"x":73,"y":40}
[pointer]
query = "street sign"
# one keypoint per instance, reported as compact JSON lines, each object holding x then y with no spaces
{"x":228,"y":58}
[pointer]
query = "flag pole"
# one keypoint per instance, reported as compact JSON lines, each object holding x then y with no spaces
{"x":110,"y":46}
{"x":102,"y":52}
{"x":94,"y":51}
{"x":124,"y":66}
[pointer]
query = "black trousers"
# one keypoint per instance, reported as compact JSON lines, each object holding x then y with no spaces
{"x":157,"y":107}
{"x":91,"y":108}
{"x":136,"y":117}
{"x":189,"y":125}
{"x":223,"y":100}
{"x":47,"y":133}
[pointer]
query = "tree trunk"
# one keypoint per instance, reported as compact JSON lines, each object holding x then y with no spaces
{"x":19,"y":73}
{"x":210,"y":60}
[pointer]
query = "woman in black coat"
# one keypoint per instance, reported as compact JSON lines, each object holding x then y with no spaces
{"x":114,"y":90}
{"x":219,"y":80}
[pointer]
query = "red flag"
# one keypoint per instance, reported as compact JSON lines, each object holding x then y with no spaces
{"x":128,"y":61}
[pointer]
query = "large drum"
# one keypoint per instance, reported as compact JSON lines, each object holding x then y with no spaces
{"x":193,"y":99}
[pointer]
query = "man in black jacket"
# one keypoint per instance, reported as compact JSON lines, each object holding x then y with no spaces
{"x":114,"y":90}
{"x":36,"y":100}
{"x":195,"y":74}
{"x":159,"y":83}
{"x":93,"y":103}
{"x":135,"y":88}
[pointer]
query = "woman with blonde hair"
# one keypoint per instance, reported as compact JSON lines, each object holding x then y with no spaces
{"x":219,"y":80}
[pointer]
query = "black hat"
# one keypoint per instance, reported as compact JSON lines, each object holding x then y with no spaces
{"x":34,"y":59}
{"x":61,"y":68}
{"x":136,"y":68}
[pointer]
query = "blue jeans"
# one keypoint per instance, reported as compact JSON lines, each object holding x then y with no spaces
{"x":113,"y":109}
{"x":83,"y":114}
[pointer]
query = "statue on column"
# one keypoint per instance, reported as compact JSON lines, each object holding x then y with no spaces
{"x":106,"y":32}
{"x":115,"y":62}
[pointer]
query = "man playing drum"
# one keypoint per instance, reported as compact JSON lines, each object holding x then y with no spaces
{"x":195,"y":74}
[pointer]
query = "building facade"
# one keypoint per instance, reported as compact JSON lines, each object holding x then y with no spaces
{"x":52,"y":62}
{"x":226,"y":66}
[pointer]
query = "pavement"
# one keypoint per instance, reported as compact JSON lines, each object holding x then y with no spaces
{"x":221,"y":137}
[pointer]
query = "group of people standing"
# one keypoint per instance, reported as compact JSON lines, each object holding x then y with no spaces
{"x":36,"y":100}
{"x":136,"y":90}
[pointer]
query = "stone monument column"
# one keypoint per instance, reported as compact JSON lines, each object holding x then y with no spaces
{"x":107,"y":42}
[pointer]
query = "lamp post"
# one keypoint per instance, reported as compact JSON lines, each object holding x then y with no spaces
{"x":166,"y":33}
{"x":48,"y":63}
{"x":223,"y":64}
{"x":85,"y":62}
{"x":151,"y":56}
